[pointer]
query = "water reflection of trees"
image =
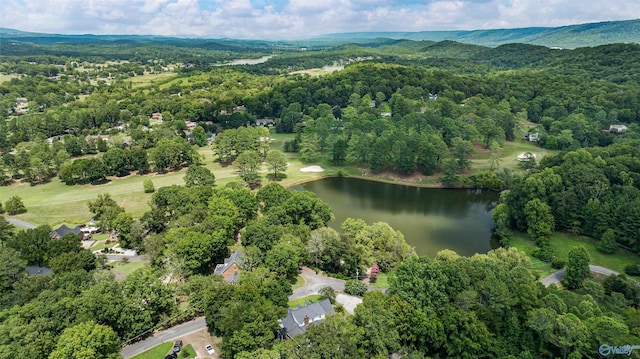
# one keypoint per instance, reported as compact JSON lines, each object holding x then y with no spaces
{"x":398,"y":199}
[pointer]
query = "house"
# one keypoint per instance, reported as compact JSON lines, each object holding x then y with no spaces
{"x":297,"y":320}
{"x":265,"y":122}
{"x":229,"y":270}
{"x":63,"y":230}
{"x":618,"y":129}
{"x":22,"y":107}
{"x":433,"y":96}
{"x":191,"y":125}
{"x":531,"y":137}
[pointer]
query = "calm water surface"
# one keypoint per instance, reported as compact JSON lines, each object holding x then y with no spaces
{"x":431,"y":219}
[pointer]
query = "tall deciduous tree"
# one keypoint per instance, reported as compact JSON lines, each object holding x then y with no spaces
{"x":577,"y":269}
{"x":87,"y":340}
{"x":540,"y":222}
{"x":199,"y":176}
{"x":248,"y":165}
{"x":277,"y":163}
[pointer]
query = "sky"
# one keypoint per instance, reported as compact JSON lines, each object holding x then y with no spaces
{"x":295,"y":19}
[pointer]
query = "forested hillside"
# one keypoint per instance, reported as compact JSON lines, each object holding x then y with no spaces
{"x":95,"y":115}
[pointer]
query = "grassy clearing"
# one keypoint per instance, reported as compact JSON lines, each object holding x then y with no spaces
{"x":128,"y":268}
{"x":312,"y":299}
{"x":6,"y":78}
{"x":299,"y":282}
{"x":562,"y":243}
{"x":145,"y":80}
{"x":156,"y":352}
{"x":509,"y":155}
{"x":383,"y":281}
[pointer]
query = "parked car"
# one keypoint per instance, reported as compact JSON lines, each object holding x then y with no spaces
{"x":210,"y":349}
{"x":177,"y":345}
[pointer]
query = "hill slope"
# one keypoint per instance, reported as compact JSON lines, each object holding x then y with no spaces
{"x":572,"y":36}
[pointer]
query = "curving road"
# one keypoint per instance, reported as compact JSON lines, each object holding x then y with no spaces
{"x":162,"y":337}
{"x":559,"y":275}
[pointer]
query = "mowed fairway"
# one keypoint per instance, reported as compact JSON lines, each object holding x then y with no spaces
{"x":55,"y":203}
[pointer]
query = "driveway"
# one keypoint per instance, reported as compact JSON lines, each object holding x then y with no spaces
{"x":314,"y":282}
{"x":559,"y":275}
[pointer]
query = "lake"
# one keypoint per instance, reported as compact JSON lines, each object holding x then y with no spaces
{"x":431,"y":219}
{"x":246,"y":61}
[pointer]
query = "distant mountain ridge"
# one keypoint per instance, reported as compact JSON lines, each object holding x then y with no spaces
{"x":572,"y":36}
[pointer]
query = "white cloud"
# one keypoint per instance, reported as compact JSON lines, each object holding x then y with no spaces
{"x":268,"y":19}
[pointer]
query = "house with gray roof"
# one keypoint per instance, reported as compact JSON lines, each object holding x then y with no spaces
{"x":297,"y":320}
{"x":229,"y":270}
{"x":64,"y":230}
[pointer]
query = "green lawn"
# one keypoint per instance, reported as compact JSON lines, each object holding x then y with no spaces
{"x":157,"y":352}
{"x":187,"y":352}
{"x":383,"y":281}
{"x":562,"y":243}
{"x":311,"y":298}
{"x":161,"y":350}
{"x":299,"y":282}
{"x":128,"y":268}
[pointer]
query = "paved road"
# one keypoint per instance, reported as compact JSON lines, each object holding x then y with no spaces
{"x":162,"y":337}
{"x":559,"y":275}
{"x":21,"y":223}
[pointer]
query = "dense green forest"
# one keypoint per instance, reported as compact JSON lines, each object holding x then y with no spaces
{"x":92,"y":112}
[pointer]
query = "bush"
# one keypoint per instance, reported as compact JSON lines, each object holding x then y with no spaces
{"x":544,"y":254}
{"x":632,"y":269}
{"x":355,"y":287}
{"x":15,"y":206}
{"x":558,"y":263}
{"x":1,"y":208}
{"x":148,"y":186}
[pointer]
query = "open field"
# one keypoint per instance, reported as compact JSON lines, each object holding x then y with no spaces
{"x":562,"y":243}
{"x":6,"y":78}
{"x":145,"y":80}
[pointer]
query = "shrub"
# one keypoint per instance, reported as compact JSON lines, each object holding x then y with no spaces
{"x":632,"y":269}
{"x":148,"y":186}
{"x":15,"y":206}
{"x":1,"y":208}
{"x":545,"y":254}
{"x":355,"y":287}
{"x":558,"y":263}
